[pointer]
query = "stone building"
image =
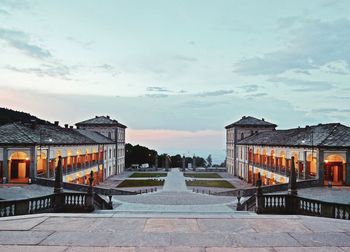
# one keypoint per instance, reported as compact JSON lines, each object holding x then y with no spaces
{"x":31,"y":150}
{"x":320,"y":152}
{"x":246,"y":126}
{"x":113,"y":130}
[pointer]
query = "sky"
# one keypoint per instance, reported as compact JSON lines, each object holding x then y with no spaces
{"x":177,"y":72}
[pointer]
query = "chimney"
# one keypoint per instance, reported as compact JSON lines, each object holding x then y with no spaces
{"x":263,"y":119}
{"x":96,"y":116}
{"x":56,"y":123}
{"x":33,"y":124}
{"x":66,"y":126}
{"x":71,"y":127}
{"x":108,"y":117}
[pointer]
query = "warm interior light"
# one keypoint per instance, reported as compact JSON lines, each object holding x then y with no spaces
{"x":326,"y":161}
{"x":27,"y":158}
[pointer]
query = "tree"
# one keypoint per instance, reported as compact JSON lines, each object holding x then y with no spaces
{"x":209,"y":161}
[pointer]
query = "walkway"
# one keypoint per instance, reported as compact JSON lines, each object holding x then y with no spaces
{"x":173,"y":198}
{"x":92,"y":232}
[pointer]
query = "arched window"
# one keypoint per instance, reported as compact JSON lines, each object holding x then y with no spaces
{"x":109,"y":135}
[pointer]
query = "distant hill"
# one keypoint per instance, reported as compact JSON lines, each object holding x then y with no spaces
{"x":10,"y":116}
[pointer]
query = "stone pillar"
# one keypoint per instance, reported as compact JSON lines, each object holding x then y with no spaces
{"x":156,"y":162}
{"x":183,"y":163}
{"x":48,"y":162}
{"x":58,"y":188}
{"x":260,"y":201}
{"x":32,"y":163}
{"x":6,"y":165}
{"x":347,"y":168}
{"x":194,"y":163}
{"x":305,"y":165}
{"x":320,"y":166}
{"x":292,"y":185}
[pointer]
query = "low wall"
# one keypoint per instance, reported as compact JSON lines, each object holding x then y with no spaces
{"x":246,"y":192}
{"x":82,"y":188}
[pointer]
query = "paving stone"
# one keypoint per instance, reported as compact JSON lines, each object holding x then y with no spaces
{"x":223,"y":249}
{"x":346,"y":249}
{"x":224,"y":226}
{"x":265,"y":240}
{"x":113,"y":224}
{"x":278,"y":225}
{"x":66,"y":224}
{"x":150,"y":249}
{"x":184,"y":249}
{"x":101,"y":249}
{"x":307,"y":249}
{"x":16,"y":248}
{"x":322,"y":239}
{"x":171,"y":225}
{"x":22,"y":237}
{"x":21,"y":224}
{"x":325,"y":224}
{"x":79,"y":239}
{"x":201,"y":240}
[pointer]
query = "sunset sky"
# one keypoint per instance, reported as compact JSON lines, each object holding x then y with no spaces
{"x":177,"y":72}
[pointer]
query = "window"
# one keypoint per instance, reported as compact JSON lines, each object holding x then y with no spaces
{"x":109,"y":135}
{"x":242,"y":135}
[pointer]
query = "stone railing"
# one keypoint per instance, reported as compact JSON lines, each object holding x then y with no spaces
{"x":291,"y":204}
{"x":248,"y":205}
{"x":82,"y":188}
{"x":63,"y":202}
{"x":246,"y":192}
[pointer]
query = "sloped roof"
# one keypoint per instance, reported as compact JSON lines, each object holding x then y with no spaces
{"x":251,"y":122}
{"x":95,"y":136}
{"x":101,"y":120}
{"x":322,"y":135}
{"x":24,"y":134}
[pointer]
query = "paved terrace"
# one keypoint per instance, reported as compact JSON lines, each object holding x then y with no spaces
{"x":93,"y":232}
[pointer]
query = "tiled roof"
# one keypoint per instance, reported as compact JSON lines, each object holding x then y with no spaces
{"x":251,"y":122}
{"x":24,"y":134}
{"x":101,"y":120}
{"x":95,"y":136}
{"x":322,"y":135}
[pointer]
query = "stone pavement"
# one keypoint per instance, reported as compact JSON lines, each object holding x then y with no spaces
{"x":175,"y":181}
{"x":93,"y":232}
{"x":173,"y":198}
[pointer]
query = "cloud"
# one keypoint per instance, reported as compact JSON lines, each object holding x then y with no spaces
{"x":157,"y":89}
{"x":185,"y":58}
{"x":250,"y":88}
{"x":311,"y":46}
{"x":257,"y":95}
{"x":216,"y":93}
{"x":4,"y":12}
{"x":156,"y":95}
{"x":330,"y":110}
{"x":303,"y":85}
{"x":23,"y":42}
{"x":108,"y":68}
{"x":50,"y":70}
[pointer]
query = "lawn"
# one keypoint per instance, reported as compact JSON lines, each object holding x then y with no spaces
{"x":148,"y":175}
{"x":202,"y":175}
{"x":209,"y":183}
{"x":141,"y":183}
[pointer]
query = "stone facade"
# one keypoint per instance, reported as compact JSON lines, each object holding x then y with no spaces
{"x":320,"y":152}
{"x":112,"y":129}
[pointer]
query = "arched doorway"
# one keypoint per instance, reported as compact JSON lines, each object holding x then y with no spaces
{"x":19,"y":167}
{"x":334,"y":170}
